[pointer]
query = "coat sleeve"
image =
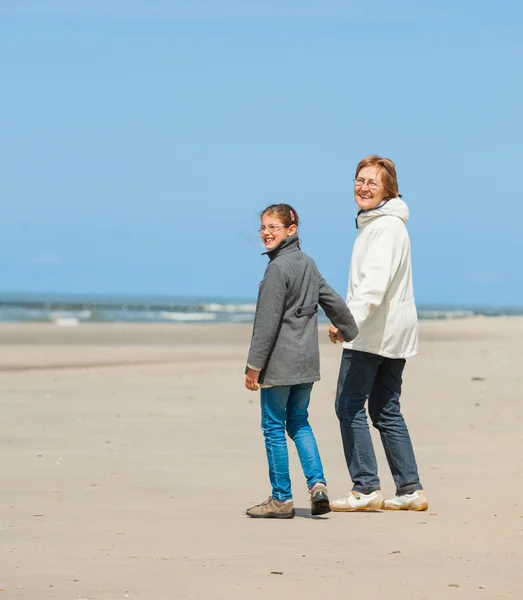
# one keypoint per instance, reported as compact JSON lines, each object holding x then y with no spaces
{"x":337,"y":311}
{"x":270,"y":305}
{"x":380,"y":263}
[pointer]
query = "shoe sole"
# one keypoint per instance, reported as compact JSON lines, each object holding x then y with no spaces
{"x":362,"y":509}
{"x":288,"y":515}
{"x":321,"y":507}
{"x":421,"y":508}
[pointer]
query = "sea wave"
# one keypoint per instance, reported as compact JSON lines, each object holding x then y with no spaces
{"x":229,"y":308}
{"x":445,"y":314}
{"x":74,"y":310}
{"x":187,"y":317}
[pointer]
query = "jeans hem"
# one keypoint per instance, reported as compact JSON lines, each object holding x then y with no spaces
{"x":281,"y":499}
{"x":409,"y":489}
{"x":315,"y":482}
{"x":365,"y":490}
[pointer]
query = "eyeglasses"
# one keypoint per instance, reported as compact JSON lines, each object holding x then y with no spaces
{"x":271,"y":228}
{"x":372,"y":185}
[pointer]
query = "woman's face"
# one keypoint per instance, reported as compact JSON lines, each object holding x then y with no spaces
{"x":368,"y":188}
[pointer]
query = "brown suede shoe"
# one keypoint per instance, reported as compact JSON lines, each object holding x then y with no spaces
{"x":272,"y":509}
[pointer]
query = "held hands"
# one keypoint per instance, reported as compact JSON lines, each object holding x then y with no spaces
{"x":335,"y":335}
{"x":251,"y":380}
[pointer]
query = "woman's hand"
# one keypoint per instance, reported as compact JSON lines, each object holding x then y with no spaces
{"x":251,"y":380}
{"x":335,"y":335}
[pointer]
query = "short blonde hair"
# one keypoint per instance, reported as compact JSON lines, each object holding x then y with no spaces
{"x":388,"y":173}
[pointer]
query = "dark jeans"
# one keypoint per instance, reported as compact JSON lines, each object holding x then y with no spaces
{"x":364,"y":376}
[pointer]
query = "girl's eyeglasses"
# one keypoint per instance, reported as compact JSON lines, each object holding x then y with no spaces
{"x":271,"y":228}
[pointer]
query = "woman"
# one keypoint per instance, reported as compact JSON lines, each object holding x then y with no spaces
{"x":381,"y":299}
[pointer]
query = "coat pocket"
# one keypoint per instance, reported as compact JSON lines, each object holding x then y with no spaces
{"x":302,"y":311}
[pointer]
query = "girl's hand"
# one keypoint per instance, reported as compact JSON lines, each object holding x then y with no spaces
{"x":251,"y":380}
{"x":335,"y":335}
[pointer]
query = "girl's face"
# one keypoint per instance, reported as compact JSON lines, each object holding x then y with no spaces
{"x":273,"y":231}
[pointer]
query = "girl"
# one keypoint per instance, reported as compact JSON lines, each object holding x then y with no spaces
{"x":284,"y":358}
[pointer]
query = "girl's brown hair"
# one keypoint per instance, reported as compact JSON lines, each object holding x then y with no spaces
{"x":388,"y":173}
{"x":284,"y":213}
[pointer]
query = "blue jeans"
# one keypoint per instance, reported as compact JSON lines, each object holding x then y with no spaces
{"x":285,"y":408}
{"x":376,"y":379}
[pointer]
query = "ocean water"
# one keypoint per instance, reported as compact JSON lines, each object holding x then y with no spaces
{"x":70,"y":310}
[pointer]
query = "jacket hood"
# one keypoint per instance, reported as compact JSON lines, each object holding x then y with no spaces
{"x":395,"y":207}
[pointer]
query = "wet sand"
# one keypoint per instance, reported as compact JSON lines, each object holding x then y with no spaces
{"x":130,"y":452}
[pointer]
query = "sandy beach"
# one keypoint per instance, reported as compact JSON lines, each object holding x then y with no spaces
{"x":130,"y":453}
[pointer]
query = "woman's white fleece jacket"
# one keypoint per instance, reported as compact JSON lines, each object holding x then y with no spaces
{"x":380,"y":294}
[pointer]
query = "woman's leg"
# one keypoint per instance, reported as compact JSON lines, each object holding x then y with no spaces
{"x":274,"y":413}
{"x":356,"y":378}
{"x":385,"y":413}
{"x":301,"y":433}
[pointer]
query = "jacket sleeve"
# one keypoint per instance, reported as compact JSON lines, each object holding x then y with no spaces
{"x":380,"y":264}
{"x":337,"y":311}
{"x":271,"y":302}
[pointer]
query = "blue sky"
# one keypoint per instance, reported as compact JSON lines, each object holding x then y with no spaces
{"x":141,"y":139}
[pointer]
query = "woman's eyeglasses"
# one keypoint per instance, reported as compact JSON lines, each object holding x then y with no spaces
{"x":372,"y":185}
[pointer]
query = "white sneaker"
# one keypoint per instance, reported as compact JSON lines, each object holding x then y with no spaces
{"x":414,"y":501}
{"x":358,"y":501}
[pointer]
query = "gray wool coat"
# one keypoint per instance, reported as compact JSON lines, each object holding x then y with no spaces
{"x":284,"y":345}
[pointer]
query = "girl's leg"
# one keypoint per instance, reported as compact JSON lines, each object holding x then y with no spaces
{"x":274,"y":413}
{"x":385,"y":413}
{"x":301,"y":433}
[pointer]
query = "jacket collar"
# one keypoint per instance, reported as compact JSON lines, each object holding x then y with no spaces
{"x":365,"y":212}
{"x":289,"y":244}
{"x":395,"y":207}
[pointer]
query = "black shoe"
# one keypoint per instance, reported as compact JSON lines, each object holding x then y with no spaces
{"x":320,"y":504}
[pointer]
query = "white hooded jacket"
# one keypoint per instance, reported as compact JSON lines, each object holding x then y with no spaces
{"x":380,"y":294}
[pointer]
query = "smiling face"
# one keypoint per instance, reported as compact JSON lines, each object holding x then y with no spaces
{"x":369,"y":191}
{"x":273,"y":231}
